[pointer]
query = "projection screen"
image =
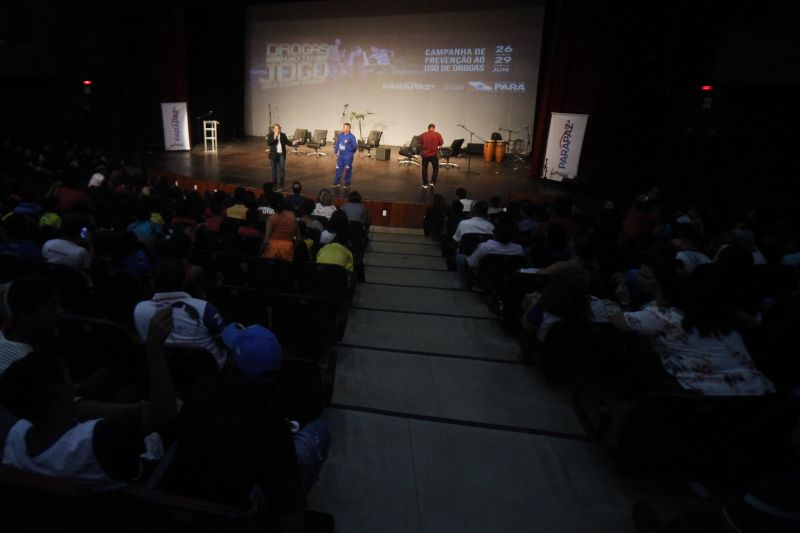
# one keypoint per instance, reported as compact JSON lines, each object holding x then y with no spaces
{"x":475,"y":68}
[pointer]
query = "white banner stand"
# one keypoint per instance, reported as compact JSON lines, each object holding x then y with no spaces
{"x":176,"y":126}
{"x":564,"y":143}
{"x":210,"y":135}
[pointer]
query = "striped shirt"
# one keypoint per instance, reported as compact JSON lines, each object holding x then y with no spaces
{"x":11,"y":351}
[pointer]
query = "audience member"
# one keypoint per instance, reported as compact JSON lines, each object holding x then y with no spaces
{"x":235,"y":447}
{"x":102,"y":453}
{"x":31,"y":314}
{"x":294,"y":201}
{"x":355,"y":210}
{"x":74,"y":247}
{"x":691,"y":331}
{"x":565,"y":297}
{"x":339,"y":225}
{"x":467,"y":266}
{"x":281,"y":232}
{"x":197,"y":323}
{"x":238,"y":210}
{"x":461,"y":193}
{"x":324,"y":206}
{"x":18,"y":241}
{"x":476,"y":224}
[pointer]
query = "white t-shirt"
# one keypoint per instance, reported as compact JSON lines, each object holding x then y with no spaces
{"x":493,"y":247}
{"x":718,"y":365}
{"x":96,"y":180}
{"x":691,"y":259}
{"x":71,"y":457}
{"x":191,"y":329}
{"x":324,"y":210}
{"x":64,"y":252}
{"x":473,"y":225}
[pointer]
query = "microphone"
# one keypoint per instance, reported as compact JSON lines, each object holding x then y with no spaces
{"x":460,"y":125}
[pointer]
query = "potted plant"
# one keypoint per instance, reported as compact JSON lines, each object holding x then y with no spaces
{"x":359,"y":116}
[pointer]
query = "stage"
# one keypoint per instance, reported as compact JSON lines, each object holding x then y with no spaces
{"x":392,"y":192}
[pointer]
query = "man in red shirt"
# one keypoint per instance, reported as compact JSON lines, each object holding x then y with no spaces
{"x":430,"y":141}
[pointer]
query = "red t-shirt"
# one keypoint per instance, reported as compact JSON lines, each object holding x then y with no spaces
{"x":429,"y":143}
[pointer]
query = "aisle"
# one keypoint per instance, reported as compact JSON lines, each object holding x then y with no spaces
{"x":438,"y":427}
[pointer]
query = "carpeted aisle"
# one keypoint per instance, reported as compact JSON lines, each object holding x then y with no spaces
{"x":438,"y":427}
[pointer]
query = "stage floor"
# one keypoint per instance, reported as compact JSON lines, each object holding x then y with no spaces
{"x":380,"y":183}
{"x":246,"y":163}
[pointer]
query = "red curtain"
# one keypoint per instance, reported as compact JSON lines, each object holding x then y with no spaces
{"x":583,"y":71}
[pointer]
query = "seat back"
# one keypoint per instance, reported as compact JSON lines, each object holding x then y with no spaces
{"x":295,"y":316}
{"x":470,"y":241}
{"x":691,"y":433}
{"x":299,"y":136}
{"x":494,"y":269}
{"x":374,"y":138}
{"x":324,"y":280}
{"x":412,"y":149}
{"x":302,"y":383}
{"x":116,"y":293}
{"x":239,"y":304}
{"x":271,"y":276}
{"x":517,"y":285}
{"x":318,"y":140}
{"x":91,"y":344}
{"x":73,"y":286}
{"x":219,"y":267}
{"x":11,"y":266}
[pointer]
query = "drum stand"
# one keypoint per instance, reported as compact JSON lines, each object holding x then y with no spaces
{"x":519,"y":161}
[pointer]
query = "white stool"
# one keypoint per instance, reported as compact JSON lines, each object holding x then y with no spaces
{"x":210,"y":134}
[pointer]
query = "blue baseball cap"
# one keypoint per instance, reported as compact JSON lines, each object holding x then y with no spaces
{"x":255,"y":348}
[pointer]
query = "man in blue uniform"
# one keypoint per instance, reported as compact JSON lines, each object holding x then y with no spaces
{"x":345,"y":148}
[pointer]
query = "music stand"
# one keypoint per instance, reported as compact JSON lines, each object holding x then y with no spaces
{"x":469,"y":155}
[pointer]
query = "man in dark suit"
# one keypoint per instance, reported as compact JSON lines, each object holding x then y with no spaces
{"x":277,"y":143}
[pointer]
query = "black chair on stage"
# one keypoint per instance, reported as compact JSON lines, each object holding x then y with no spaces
{"x":298,"y":139}
{"x":318,"y":140}
{"x":373,"y":141}
{"x":410,"y":152}
{"x":450,"y":151}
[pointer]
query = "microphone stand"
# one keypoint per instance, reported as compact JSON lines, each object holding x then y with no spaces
{"x":199,"y":124}
{"x":344,"y":115}
{"x":269,"y":126}
{"x":469,"y":156}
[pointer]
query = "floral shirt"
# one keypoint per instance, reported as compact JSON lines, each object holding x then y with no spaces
{"x":718,"y":365}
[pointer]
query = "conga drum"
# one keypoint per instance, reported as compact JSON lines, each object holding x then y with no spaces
{"x":488,"y":150}
{"x":500,"y":151}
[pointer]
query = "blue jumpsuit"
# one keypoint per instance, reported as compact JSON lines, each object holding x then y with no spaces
{"x":345,"y":148}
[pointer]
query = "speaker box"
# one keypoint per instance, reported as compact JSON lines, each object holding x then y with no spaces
{"x":383,"y":154}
